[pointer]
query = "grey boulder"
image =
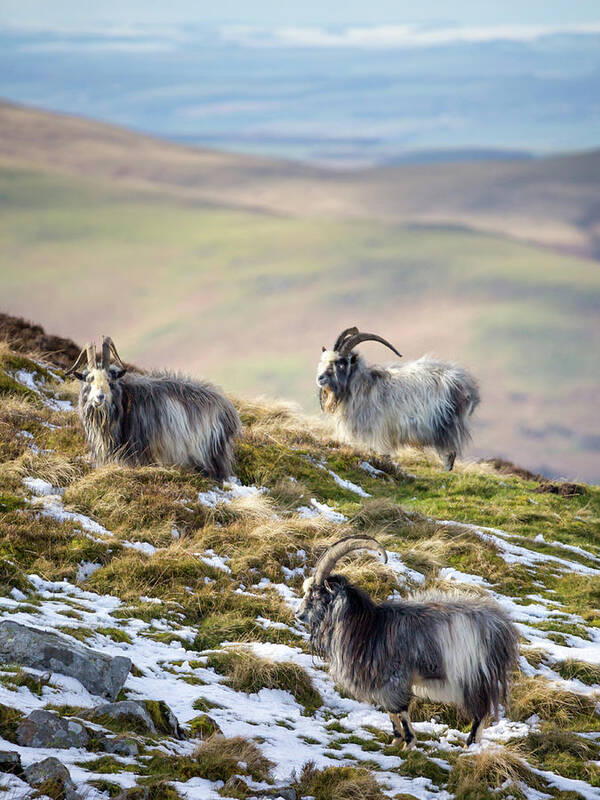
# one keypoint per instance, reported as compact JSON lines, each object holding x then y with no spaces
{"x":10,"y":762}
{"x":51,"y":771}
{"x":31,"y":647}
{"x":46,"y":729}
{"x":134,"y":716}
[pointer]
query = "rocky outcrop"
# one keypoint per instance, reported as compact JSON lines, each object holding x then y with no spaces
{"x":52,"y":778}
{"x":10,"y":763}
{"x":31,"y":647}
{"x":148,"y":717}
{"x":46,"y":729}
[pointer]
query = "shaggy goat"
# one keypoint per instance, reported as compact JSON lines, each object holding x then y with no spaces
{"x":153,"y":419}
{"x":449,"y":648}
{"x":425,"y":403}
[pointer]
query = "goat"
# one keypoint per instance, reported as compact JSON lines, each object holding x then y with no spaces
{"x":153,"y":419}
{"x":425,"y":403}
{"x":450,"y":648}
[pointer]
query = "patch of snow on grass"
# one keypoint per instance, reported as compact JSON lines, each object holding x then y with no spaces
{"x":213,"y":560}
{"x":344,"y":484}
{"x":86,"y":570}
{"x":142,"y":547}
{"x":401,"y":570}
{"x":370,"y":469}
{"x":52,"y":506}
{"x":232,"y":489}
{"x":321,"y":509}
{"x":41,"y":487}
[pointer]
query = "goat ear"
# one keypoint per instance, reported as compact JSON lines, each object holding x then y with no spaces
{"x":117,"y":372}
{"x":353,"y":357}
{"x":79,"y":375}
{"x":323,"y":348}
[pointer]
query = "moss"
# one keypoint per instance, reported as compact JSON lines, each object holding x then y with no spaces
{"x":116,"y":634}
{"x":18,"y":678}
{"x":416,"y":764}
{"x":82,"y":633}
{"x":249,"y":673}
{"x":106,"y":765}
{"x":159,"y":711}
{"x":9,"y":722}
{"x":203,"y":726}
{"x":10,"y":502}
{"x":200,"y":704}
{"x":108,"y":787}
{"x":152,"y":791}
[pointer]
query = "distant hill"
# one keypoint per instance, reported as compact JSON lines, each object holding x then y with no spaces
{"x":549,"y":201}
{"x":104,"y":231}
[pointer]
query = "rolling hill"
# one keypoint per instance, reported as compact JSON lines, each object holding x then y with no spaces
{"x":550,"y":201}
{"x":105,"y":231}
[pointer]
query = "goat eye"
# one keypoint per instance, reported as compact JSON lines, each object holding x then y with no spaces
{"x":342,"y":366}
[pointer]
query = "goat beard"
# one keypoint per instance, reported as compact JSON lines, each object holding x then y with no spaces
{"x":329,"y":402}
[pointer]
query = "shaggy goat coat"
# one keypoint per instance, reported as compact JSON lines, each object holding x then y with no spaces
{"x":425,"y":403}
{"x":160,"y":419}
{"x":450,"y":648}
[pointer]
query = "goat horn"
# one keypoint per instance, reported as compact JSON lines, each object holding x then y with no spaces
{"x":108,"y":347}
{"x":82,"y":357}
{"x":330,"y":557}
{"x":91,"y":355}
{"x":357,"y":338}
{"x":344,"y":335}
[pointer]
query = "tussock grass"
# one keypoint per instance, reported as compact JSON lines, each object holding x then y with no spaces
{"x":219,"y":758}
{"x":338,"y":783}
{"x":562,"y":752}
{"x":249,"y":673}
{"x":566,"y":709}
{"x":474,"y":776}
{"x":579,"y":670}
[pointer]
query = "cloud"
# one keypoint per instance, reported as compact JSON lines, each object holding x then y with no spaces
{"x":395,"y":36}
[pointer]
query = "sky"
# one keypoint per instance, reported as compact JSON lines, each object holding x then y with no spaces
{"x":77,"y":13}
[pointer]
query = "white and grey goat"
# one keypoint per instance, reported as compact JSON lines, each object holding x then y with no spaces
{"x":425,"y":403}
{"x":153,"y":419}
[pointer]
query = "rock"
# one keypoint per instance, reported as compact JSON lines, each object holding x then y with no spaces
{"x":119,"y":745}
{"x":46,"y":729}
{"x":31,"y":647}
{"x":10,"y":762}
{"x":145,"y":717}
{"x":51,"y":777}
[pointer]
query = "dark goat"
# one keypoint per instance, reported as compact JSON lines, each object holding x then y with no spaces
{"x":450,"y":648}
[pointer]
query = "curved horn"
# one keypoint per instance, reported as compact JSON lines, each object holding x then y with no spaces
{"x":357,"y":338}
{"x":81,"y":358}
{"x":108,"y":348}
{"x":344,"y":335}
{"x":330,"y":557}
{"x":91,"y":355}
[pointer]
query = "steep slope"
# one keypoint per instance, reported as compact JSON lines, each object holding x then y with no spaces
{"x":550,"y":201}
{"x":196,"y":584}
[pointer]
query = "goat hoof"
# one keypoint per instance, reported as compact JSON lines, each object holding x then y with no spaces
{"x":410,"y":745}
{"x":396,"y":741}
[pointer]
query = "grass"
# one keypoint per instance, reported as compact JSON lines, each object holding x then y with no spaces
{"x":565,"y":709}
{"x":263,"y":537}
{"x":339,"y":783}
{"x":249,"y":673}
{"x":476,"y":777}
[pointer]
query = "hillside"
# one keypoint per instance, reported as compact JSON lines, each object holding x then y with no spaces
{"x":196,"y":585}
{"x":549,"y":201}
